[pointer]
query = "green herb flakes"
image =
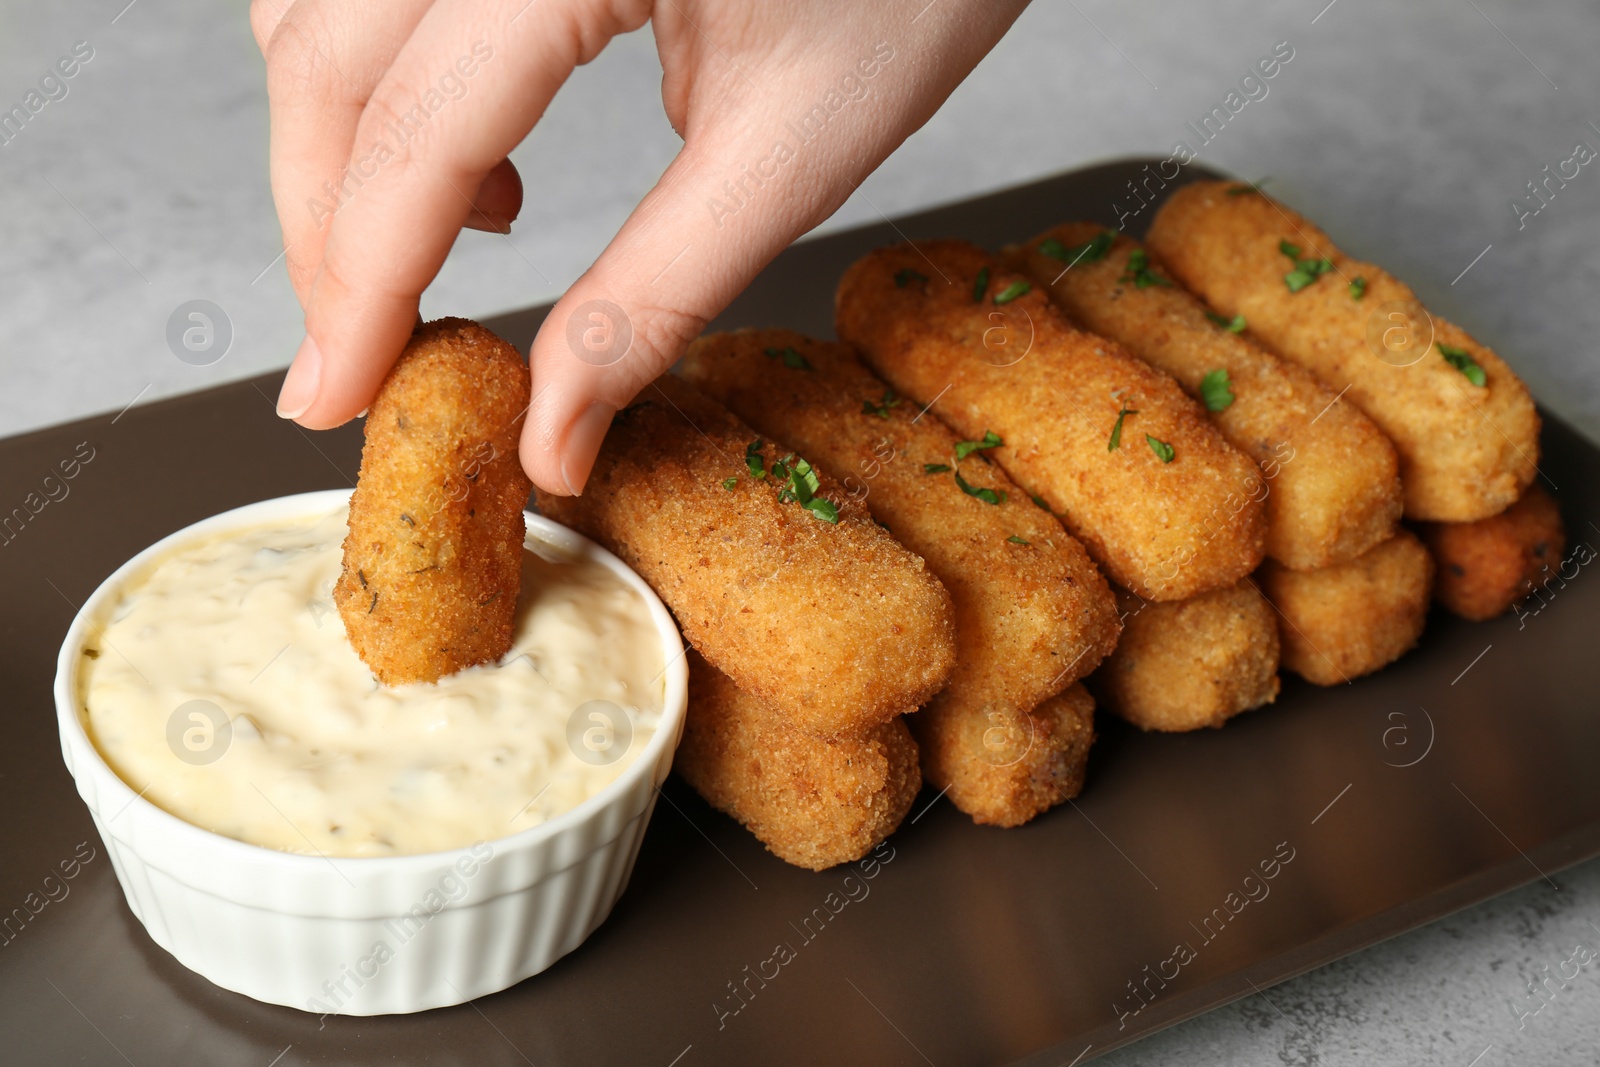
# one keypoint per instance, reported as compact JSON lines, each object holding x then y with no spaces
{"x":801,"y":485}
{"x":1116,"y":429}
{"x":754,"y":460}
{"x":881,"y":408}
{"x":1305,"y":271}
{"x":1014,"y":539}
{"x":1139,"y":272}
{"x":1358,"y":289}
{"x":980,"y":286}
{"x":1011,"y":292}
{"x":1462,"y":360}
{"x":935,"y":468}
{"x":1233,"y":325}
{"x":905,"y":277}
{"x":988,"y":496}
{"x":730,"y":483}
{"x":1087,"y":252}
{"x":790,"y":357}
{"x":967,"y":448}
{"x":1216,"y":390}
{"x":1162,"y":450}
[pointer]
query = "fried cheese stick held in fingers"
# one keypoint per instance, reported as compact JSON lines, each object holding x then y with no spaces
{"x":1333,"y":482}
{"x":1130,"y":464}
{"x":813,"y":802}
{"x":1463,"y":425}
{"x":779,"y":579}
{"x":1189,"y":664}
{"x":1340,"y":622}
{"x":433,"y":559}
{"x":1486,"y":566}
{"x":1032,"y":613}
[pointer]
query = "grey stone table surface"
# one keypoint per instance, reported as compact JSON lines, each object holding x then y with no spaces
{"x":1409,"y":131}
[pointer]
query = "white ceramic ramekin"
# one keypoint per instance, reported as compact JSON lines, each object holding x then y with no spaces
{"x":369,"y":936}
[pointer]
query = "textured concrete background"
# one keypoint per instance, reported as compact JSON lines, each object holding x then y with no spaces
{"x":1405,"y":130}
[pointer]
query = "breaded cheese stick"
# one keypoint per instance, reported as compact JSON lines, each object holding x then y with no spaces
{"x":433,"y":559}
{"x":782,"y":581}
{"x":1350,"y":619}
{"x":1032,"y":613}
{"x":1462,"y":423}
{"x":1131,"y":464}
{"x":813,"y":802}
{"x":1194,"y":663}
{"x":1486,"y":566}
{"x":1332,"y":480}
{"x":1004,"y":766}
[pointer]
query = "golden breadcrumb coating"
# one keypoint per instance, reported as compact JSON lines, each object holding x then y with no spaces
{"x":1486,"y":566}
{"x":1350,"y":619}
{"x":1167,"y":512}
{"x":1194,"y":663}
{"x":835,"y":624}
{"x":1466,"y":452}
{"x":1031,"y":618}
{"x":1032,"y":613}
{"x":1005,"y":766}
{"x":1331,"y":478}
{"x":433,"y":559}
{"x":813,"y":802}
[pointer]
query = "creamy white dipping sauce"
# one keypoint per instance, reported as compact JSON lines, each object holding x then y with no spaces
{"x":308,"y":753}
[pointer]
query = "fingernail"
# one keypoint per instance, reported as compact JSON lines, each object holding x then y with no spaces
{"x":578,"y":451}
{"x":489,"y":223}
{"x":300,"y":385}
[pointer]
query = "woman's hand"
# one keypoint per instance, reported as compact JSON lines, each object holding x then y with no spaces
{"x":391,"y":124}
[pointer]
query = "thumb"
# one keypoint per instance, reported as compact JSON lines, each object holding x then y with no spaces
{"x":683,"y":255}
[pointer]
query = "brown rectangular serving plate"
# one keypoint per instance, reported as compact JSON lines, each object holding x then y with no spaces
{"x":1458,"y":773}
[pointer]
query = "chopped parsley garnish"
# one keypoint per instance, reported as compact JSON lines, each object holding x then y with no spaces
{"x":1116,"y":430}
{"x":988,"y":496}
{"x":1216,"y":390}
{"x":730,"y":483}
{"x":935,"y":468}
{"x":905,"y":277}
{"x":1139,"y":272}
{"x":801,"y":485}
{"x":881,"y":408}
{"x":1160,"y":448}
{"x":1305,"y":271}
{"x":1233,"y":325}
{"x":754,"y":460}
{"x":1358,"y":289}
{"x":790,"y":357}
{"x":1462,"y":360}
{"x":1040,"y":501}
{"x":967,"y":448}
{"x":1087,"y":252}
{"x":1014,"y":539}
{"x":1011,"y":292}
{"x":980,"y":286}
